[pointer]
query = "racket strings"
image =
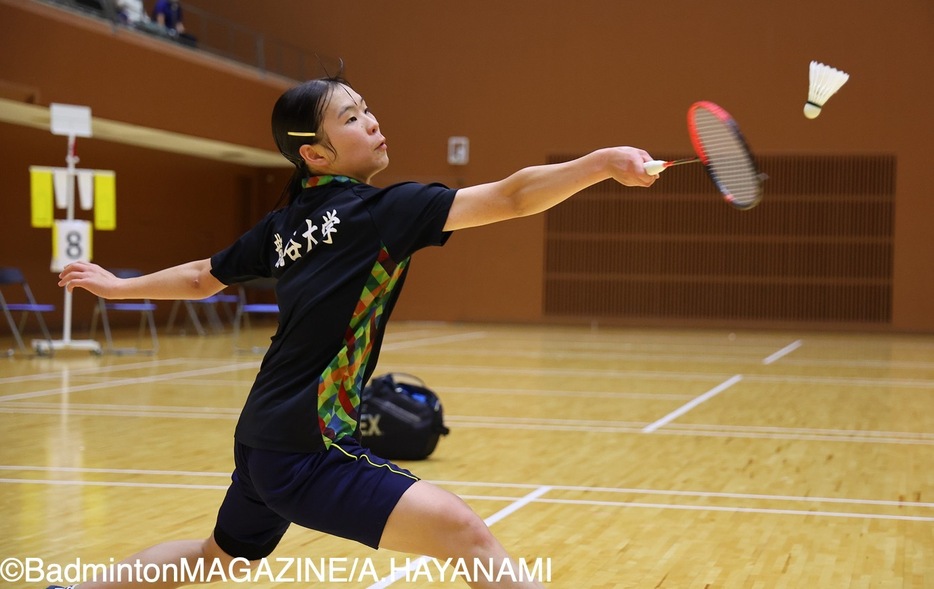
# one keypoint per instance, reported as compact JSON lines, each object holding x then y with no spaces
{"x":728,"y":160}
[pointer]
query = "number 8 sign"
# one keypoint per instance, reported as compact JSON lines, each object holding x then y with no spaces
{"x":71,"y":242}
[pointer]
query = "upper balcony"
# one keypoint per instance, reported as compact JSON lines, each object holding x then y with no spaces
{"x":205,"y":32}
{"x":207,"y":95}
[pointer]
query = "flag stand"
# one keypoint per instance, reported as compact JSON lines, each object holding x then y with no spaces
{"x":73,"y":121}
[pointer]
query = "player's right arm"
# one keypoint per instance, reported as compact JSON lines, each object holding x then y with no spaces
{"x":192,"y":280}
{"x":535,"y":189}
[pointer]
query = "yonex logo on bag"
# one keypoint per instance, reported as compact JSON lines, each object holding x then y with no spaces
{"x":369,"y":425}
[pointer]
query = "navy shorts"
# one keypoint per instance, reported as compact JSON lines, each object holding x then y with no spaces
{"x":344,"y":491}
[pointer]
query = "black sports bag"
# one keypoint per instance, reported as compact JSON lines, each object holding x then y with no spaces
{"x":400,"y":418}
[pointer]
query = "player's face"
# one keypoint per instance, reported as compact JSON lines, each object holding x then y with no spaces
{"x":359,"y":149}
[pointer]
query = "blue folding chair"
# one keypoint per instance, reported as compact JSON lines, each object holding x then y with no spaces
{"x":26,"y":305}
{"x":144,"y":307}
{"x":210,"y":306}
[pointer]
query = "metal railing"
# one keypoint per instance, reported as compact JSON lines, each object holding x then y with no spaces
{"x":212,"y":34}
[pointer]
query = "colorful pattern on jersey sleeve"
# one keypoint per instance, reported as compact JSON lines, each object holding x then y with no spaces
{"x":341,"y":382}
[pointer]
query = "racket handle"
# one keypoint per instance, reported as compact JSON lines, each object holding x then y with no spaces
{"x":655,"y":167}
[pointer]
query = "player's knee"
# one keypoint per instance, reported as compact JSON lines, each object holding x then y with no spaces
{"x":470,"y":530}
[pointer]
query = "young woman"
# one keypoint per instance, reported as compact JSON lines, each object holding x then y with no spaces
{"x":339,"y":251}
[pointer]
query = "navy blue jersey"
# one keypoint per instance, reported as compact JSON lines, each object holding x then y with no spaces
{"x":339,"y":253}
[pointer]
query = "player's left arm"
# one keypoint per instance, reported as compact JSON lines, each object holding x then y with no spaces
{"x":192,"y":280}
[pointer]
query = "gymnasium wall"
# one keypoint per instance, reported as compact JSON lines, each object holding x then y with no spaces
{"x":526,"y":82}
{"x":171,"y":208}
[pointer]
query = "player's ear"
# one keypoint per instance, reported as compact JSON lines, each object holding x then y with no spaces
{"x":313,"y":155}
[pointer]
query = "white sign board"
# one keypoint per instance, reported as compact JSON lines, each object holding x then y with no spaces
{"x":71,"y":120}
{"x":71,"y":242}
{"x":458,"y":151}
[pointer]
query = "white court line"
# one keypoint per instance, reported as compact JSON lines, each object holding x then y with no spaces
{"x":441,"y":339}
{"x":562,"y":393}
{"x":532,"y":497}
{"x":229,"y":414}
{"x":214,"y":370}
{"x":97,"y":370}
{"x":762,"y":510}
{"x":92,"y":370}
{"x":55,"y":482}
{"x":479,"y":369}
{"x":129,"y":381}
{"x":692,"y":404}
{"x":113,"y":470}
{"x":499,"y":515}
{"x":498,"y":485}
{"x":783,"y":352}
{"x":749,"y":356}
{"x":624,"y":355}
{"x":874,"y":383}
{"x":844,"y":436}
{"x":111,"y":408}
{"x":861,"y":363}
{"x":510,"y":423}
{"x":692,"y":494}
{"x":510,"y":509}
{"x":809,"y":430}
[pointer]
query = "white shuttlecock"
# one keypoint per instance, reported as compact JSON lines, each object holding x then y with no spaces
{"x":825,"y":81}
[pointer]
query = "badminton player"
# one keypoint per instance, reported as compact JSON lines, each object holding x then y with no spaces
{"x":340,"y":248}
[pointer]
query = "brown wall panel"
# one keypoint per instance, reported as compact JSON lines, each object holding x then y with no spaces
{"x":523,"y":80}
{"x":817,"y":252}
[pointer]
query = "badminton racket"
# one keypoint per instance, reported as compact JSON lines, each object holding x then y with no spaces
{"x":720,"y":146}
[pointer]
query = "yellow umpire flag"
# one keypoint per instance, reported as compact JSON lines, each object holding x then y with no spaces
{"x":105,"y":200}
{"x":41,"y":194}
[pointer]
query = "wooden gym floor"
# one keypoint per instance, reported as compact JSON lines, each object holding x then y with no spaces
{"x":606,"y":457}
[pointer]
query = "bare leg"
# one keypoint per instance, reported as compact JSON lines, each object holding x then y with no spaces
{"x":172,"y":553}
{"x":433,"y":522}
